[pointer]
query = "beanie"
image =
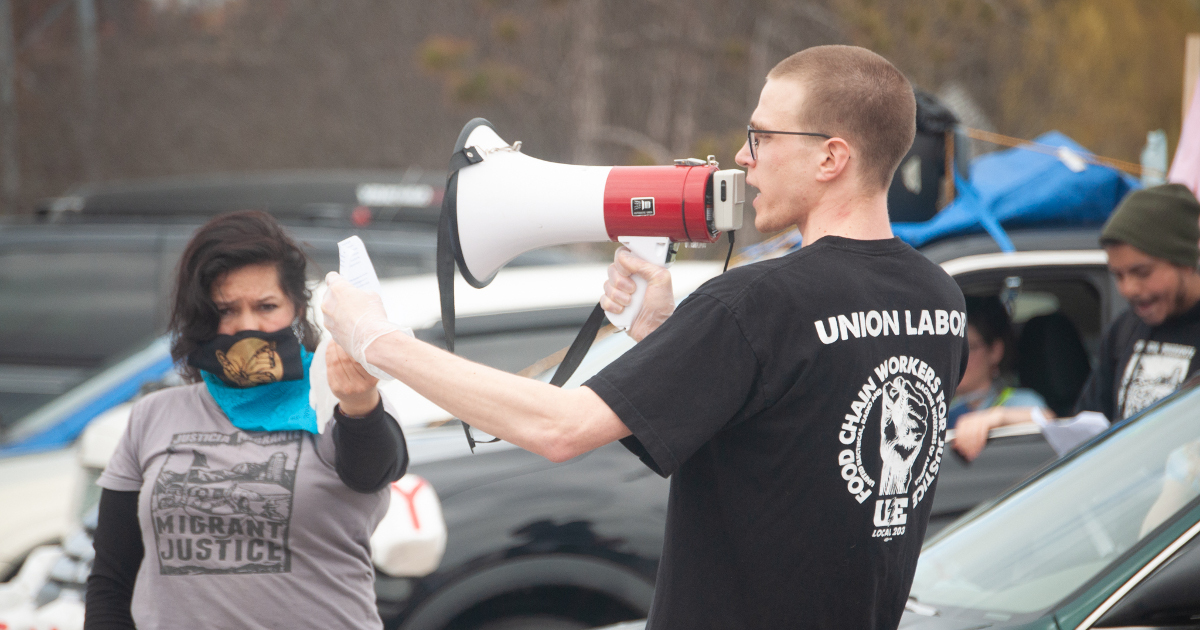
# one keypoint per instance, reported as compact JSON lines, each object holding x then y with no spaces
{"x":1162,"y":221}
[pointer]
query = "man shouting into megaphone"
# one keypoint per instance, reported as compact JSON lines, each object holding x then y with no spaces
{"x":798,"y":404}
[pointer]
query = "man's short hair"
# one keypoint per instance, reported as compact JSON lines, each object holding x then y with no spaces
{"x":855,"y":94}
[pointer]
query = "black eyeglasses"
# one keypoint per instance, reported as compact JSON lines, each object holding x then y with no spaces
{"x":753,"y":142}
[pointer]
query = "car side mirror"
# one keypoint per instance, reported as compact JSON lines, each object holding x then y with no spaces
{"x":1166,"y":598}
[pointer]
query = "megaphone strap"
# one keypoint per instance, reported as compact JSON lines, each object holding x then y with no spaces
{"x":579,"y":348}
{"x":466,"y":157}
{"x":446,"y":257}
{"x":730,"y":253}
{"x":447,"y":243}
{"x":570,"y":362}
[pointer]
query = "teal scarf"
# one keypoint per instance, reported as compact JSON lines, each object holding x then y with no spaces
{"x":281,"y":406}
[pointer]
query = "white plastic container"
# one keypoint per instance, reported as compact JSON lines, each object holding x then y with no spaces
{"x":411,"y":538}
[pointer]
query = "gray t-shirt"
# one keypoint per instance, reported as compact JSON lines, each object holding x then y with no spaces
{"x":242,"y":529}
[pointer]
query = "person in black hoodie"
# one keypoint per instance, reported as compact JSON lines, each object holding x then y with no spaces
{"x":1150,"y":349}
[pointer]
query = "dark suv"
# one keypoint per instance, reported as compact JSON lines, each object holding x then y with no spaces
{"x":86,"y":279}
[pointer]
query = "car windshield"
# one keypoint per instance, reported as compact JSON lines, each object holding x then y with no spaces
{"x":1034,"y":547}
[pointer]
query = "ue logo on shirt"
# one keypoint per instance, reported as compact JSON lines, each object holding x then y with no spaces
{"x":894,"y":438}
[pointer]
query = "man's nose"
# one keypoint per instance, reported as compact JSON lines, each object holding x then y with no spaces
{"x":743,"y":158}
{"x":1128,"y":288}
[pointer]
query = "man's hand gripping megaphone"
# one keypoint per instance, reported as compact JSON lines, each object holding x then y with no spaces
{"x":658,"y":303}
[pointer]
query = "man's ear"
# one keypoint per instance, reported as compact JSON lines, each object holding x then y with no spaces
{"x":835,"y":159}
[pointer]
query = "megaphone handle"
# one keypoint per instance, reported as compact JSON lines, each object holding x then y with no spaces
{"x":654,"y":249}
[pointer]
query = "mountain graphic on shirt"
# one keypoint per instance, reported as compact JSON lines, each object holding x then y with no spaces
{"x":222,"y":503}
{"x":273,"y":470}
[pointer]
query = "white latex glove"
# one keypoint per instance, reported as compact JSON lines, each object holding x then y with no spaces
{"x":659,"y":302}
{"x":355,"y":318}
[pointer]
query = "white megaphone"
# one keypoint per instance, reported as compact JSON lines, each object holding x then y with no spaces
{"x":500,"y":203}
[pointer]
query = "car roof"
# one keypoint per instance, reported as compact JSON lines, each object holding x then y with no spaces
{"x":306,"y":196}
{"x":1024,"y":240}
{"x":414,"y":301}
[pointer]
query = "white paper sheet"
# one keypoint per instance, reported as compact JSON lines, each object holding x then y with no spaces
{"x":1065,"y":434}
{"x":356,"y":265}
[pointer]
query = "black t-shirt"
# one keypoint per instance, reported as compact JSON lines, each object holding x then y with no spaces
{"x":1141,"y":364}
{"x":763,"y":398}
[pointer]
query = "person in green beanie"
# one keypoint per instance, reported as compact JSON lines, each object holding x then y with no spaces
{"x":1153,"y":244}
{"x":1150,"y":350}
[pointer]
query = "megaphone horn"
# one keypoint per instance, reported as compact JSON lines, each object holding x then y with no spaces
{"x":500,"y":203}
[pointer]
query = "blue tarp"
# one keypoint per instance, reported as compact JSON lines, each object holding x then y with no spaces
{"x":1022,"y":188}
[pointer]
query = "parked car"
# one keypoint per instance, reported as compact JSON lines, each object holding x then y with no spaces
{"x":39,"y":487}
{"x":1104,"y":538}
{"x":86,"y":280}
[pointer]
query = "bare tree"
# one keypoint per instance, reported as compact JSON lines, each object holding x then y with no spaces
{"x":9,"y":157}
{"x":588,"y":94}
{"x":186,"y":86}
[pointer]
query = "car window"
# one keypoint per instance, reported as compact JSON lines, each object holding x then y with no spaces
{"x":1029,"y":304}
{"x":609,"y":345}
{"x":1031,"y":293}
{"x":69,"y":302}
{"x":1057,"y":316}
{"x":513,"y":351}
{"x":1037,"y":545}
{"x":511,"y":341}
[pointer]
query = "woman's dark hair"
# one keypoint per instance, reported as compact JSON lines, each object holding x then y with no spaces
{"x":229,"y":242}
{"x":987,"y":315}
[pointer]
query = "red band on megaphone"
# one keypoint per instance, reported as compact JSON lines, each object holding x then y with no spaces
{"x":658,"y":201}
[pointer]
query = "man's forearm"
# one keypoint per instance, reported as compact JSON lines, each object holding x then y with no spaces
{"x":555,"y":423}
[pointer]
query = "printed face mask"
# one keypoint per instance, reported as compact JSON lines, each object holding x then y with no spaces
{"x":251,"y":358}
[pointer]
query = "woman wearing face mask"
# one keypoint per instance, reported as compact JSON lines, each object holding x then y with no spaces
{"x":229,"y":503}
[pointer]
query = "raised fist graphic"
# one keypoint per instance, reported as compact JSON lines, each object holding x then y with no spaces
{"x":902,"y":427}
